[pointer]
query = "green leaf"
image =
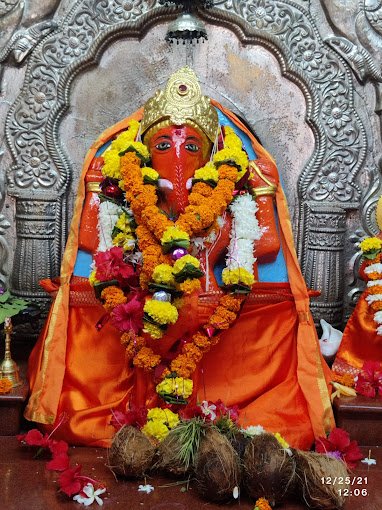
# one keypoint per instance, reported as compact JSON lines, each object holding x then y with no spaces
{"x":189,"y":271}
{"x":4,"y":297}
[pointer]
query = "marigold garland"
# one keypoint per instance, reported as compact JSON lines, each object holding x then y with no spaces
{"x":262,"y":504}
{"x":155,"y":234}
{"x":5,"y":385}
{"x":345,"y":379}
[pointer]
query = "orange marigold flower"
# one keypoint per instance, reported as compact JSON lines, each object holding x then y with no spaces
{"x":374,"y":276}
{"x":145,"y":237}
{"x":112,"y":297}
{"x":376,"y":306}
{"x":375,"y":289}
{"x":189,"y":286}
{"x":222,"y":318}
{"x":196,"y":199}
{"x":132,"y":158}
{"x":146,"y":359}
{"x":133,"y":346}
{"x":130,"y":337}
{"x":345,"y":379}
{"x":228,"y":172}
{"x":156,"y":221}
{"x":201,"y":188}
{"x":192,"y":352}
{"x":5,"y":385}
{"x":183,"y":366}
{"x":147,"y":198}
{"x":262,"y":504}
{"x":231,"y":302}
{"x":201,"y":341}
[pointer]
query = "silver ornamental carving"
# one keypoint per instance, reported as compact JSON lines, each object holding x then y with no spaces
{"x":41,"y":169}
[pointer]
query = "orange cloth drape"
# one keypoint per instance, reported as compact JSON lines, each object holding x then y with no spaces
{"x":268,"y":363}
{"x":360,"y":341}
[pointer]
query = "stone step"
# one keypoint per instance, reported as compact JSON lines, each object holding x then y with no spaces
{"x":361,"y":417}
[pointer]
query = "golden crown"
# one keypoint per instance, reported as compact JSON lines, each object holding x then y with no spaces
{"x":181,"y":102}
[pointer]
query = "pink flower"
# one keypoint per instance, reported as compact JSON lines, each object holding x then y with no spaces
{"x":128,"y":316}
{"x":70,"y":481}
{"x":338,"y":445}
{"x":136,"y":416}
{"x":111,"y":266}
{"x":369,"y":381}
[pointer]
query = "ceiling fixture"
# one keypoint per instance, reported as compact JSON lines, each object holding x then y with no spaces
{"x":187,"y":27}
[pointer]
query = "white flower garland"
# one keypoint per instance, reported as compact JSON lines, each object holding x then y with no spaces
{"x":244,"y":232}
{"x":108,"y":214}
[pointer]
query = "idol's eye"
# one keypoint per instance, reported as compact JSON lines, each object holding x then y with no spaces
{"x":192,"y":147}
{"x":162,"y":146}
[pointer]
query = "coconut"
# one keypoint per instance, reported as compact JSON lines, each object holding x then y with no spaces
{"x":217,"y":468}
{"x":178,"y":449}
{"x":269,"y":470}
{"x":313,"y":470}
{"x":131,"y":453}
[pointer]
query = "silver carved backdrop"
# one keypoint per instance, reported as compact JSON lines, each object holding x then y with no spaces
{"x":71,"y":69}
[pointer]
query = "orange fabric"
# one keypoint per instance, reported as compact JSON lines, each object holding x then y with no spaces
{"x":269,"y":361}
{"x":360,"y":341}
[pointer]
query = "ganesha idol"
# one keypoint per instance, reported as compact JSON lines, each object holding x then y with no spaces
{"x":179,"y":283}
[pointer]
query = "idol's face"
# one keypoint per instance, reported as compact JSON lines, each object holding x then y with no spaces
{"x":176,"y":152}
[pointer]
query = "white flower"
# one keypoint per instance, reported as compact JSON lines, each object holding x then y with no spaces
{"x":371,"y":283}
{"x":378,"y":317}
{"x":253,"y":430}
{"x":108,"y":214}
{"x":373,"y":297}
{"x":91,"y":495}
{"x":146,"y":488}
{"x":369,"y":462}
{"x":208,"y":410}
{"x":244,"y":232}
{"x":374,"y":268}
{"x":379,"y":330}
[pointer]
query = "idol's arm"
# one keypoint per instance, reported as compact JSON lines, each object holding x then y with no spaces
{"x":264,"y":182}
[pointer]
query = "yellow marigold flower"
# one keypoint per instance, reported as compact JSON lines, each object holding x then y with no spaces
{"x":161,"y":312}
{"x":5,"y":385}
{"x":370,"y":244}
{"x":92,"y":278}
{"x":112,"y":163}
{"x":141,"y":150}
{"x":281,"y":441}
{"x":155,"y":429}
{"x":126,"y":241}
{"x":231,"y":139}
{"x":150,"y":173}
{"x":177,"y":386}
{"x":165,"y":416}
{"x":189,"y":286}
{"x":207,"y":173}
{"x":123,"y":223}
{"x":187,"y":259}
{"x":174,"y":234}
{"x":124,"y":139}
{"x":163,"y":274}
{"x":239,"y":157}
{"x":236,"y":276}
{"x":152,"y":330}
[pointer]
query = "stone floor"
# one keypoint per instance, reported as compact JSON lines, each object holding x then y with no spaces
{"x":25,"y":484}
